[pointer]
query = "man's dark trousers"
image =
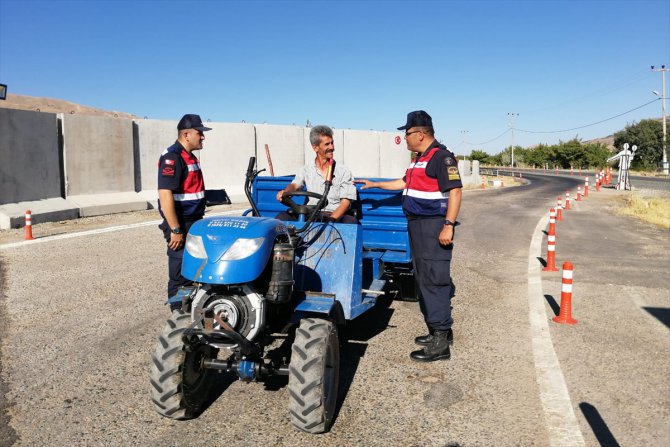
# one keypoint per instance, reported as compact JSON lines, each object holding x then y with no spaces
{"x":175,"y":257}
{"x":432,"y":271}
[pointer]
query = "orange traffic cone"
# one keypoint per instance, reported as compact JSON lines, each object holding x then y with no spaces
{"x":552,"y":222}
{"x":565,"y":314}
{"x":579,"y":194}
{"x":29,"y":226}
{"x":567,"y":200}
{"x":586,"y":186}
{"x":559,"y":207}
{"x":551,"y":254}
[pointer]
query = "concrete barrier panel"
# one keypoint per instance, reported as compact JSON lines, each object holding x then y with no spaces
{"x":286,"y":148}
{"x":31,"y":167}
{"x":225,"y":157}
{"x":394,"y":158}
{"x":98,"y":155}
{"x":361,"y":152}
{"x":152,"y":138}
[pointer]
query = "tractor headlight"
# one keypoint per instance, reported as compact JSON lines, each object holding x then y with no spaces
{"x":242,"y":248}
{"x":195,"y":247}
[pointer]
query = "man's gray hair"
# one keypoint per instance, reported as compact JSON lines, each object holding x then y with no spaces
{"x":317,"y":132}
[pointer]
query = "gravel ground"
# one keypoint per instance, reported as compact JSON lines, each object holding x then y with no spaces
{"x":80,"y":317}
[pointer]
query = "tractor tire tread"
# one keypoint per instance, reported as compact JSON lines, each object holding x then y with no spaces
{"x":315,"y":344}
{"x":170,"y":396}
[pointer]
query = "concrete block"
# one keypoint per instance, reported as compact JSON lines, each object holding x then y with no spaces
{"x":31,"y":168}
{"x":394,"y":158}
{"x":464,"y":168}
{"x":151,"y":197}
{"x":225,"y":157}
{"x":110,"y":203}
{"x":151,"y":138}
{"x":12,"y":215}
{"x":98,"y":153}
{"x":361,"y":152}
{"x":287,"y":148}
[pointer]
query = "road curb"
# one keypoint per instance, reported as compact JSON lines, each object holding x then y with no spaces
{"x":561,"y":421}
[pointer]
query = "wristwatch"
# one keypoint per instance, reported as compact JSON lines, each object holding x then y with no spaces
{"x":448,"y":222}
{"x":175,"y":230}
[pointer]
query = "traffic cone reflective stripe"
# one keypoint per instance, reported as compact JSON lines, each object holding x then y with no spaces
{"x":29,"y":226}
{"x":565,"y":314}
{"x":551,"y":254}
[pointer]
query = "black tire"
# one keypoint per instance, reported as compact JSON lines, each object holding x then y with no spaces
{"x":314,"y":375}
{"x":179,"y":386}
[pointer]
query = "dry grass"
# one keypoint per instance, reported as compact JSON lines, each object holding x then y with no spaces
{"x":653,"y":210}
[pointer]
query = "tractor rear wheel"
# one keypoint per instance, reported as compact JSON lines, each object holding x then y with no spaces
{"x":180,"y":386}
{"x":314,"y":375}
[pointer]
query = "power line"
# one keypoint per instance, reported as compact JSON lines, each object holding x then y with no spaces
{"x":486,"y":142}
{"x":589,"y":125}
{"x":617,"y":85}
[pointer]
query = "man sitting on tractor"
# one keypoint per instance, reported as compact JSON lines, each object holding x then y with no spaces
{"x":313,"y":176}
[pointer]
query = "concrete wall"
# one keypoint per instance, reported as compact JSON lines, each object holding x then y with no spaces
{"x":225,"y":157}
{"x":110,"y":155}
{"x":360,"y":152}
{"x":286,"y":148}
{"x":152,"y":138}
{"x":98,"y":155}
{"x":31,"y":167}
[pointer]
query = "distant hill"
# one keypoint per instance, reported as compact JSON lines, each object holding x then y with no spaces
{"x":51,"y":105}
{"x":607,"y":141}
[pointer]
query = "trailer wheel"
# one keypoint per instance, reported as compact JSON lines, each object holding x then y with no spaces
{"x":314,"y":375}
{"x":179,"y":385}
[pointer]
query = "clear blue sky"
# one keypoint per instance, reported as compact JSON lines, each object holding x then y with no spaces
{"x":349,"y":64}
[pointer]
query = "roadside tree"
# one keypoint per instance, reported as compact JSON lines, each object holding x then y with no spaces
{"x":647,"y":135}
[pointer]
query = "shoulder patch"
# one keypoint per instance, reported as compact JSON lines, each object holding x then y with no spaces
{"x":167,"y":171}
{"x":449,"y":161}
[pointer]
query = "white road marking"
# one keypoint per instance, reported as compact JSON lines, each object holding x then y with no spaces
{"x":103,"y":230}
{"x":558,"y":411}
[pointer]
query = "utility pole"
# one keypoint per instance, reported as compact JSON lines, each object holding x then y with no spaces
{"x":512,"y":115}
{"x":665,"y":132}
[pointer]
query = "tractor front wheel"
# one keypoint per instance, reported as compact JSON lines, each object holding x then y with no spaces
{"x":180,"y":386}
{"x":314,"y":375}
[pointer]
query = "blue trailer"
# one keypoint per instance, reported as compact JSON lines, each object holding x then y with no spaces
{"x":254,"y":276}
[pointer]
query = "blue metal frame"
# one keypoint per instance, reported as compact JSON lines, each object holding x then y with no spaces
{"x":334,"y":263}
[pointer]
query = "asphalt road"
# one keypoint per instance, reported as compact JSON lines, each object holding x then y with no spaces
{"x":655,"y":183}
{"x":79,"y":317}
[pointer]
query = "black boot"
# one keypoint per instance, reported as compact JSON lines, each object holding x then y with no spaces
{"x":425,"y":340}
{"x":438,"y":348}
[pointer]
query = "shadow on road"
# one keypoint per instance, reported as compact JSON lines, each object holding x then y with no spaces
{"x":542,"y":261}
{"x":662,"y":314}
{"x":554,"y":305}
{"x":598,"y":425}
